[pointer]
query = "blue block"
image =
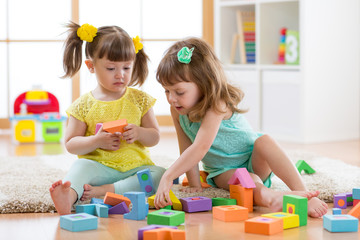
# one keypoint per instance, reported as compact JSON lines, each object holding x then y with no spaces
{"x":340,"y":223}
{"x":146,"y":182}
{"x":101,"y":211}
{"x":356,"y":193}
{"x":86,"y":208}
{"x":176,"y":181}
{"x":99,"y":201}
{"x":78,"y":222}
{"x":140,"y":208}
{"x":336,"y":211}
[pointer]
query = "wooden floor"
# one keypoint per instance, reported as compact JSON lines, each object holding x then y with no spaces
{"x":197,"y":225}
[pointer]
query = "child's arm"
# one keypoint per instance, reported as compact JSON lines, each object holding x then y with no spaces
{"x":148,"y":134}
{"x":77,"y":143}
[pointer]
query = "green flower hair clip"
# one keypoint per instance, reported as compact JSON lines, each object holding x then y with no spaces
{"x":184,"y":55}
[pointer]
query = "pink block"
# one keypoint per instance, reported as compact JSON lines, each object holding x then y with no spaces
{"x":98,"y":126}
{"x":242,"y":176}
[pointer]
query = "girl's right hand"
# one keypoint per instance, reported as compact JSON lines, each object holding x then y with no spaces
{"x":108,"y":141}
{"x":162,"y":197}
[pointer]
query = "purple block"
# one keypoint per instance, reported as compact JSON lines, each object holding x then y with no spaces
{"x":340,"y":201}
{"x":151,"y":227}
{"x":196,"y":204}
{"x":121,"y":208}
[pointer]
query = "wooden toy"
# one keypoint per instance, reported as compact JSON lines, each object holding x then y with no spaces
{"x":176,"y":204}
{"x":164,"y":234}
{"x":166,"y":217}
{"x":349,"y":199}
{"x":356,"y":193}
{"x":115,"y":126}
{"x":301,"y":165}
{"x":263,"y":225}
{"x":121,"y":208}
{"x":289,"y":220}
{"x":340,"y":223}
{"x":340,"y":201}
{"x":296,"y":205}
{"x":196,"y":204}
{"x":242,"y":176}
{"x":336,"y":211}
{"x":223,"y":201}
{"x":140,"y":208}
{"x":203,"y":181}
{"x":243,"y":196}
{"x":114,"y":199}
{"x":93,"y":209}
{"x":146,"y":182}
{"x":230,"y":213}
{"x":151,"y":227}
{"x":355,"y":211}
{"x":78,"y":222}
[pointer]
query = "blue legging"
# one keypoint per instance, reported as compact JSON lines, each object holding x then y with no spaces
{"x":84,"y":171}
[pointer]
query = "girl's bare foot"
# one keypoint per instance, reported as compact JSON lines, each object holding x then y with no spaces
{"x":316,"y":207}
{"x":62,"y":197}
{"x":96,"y":191}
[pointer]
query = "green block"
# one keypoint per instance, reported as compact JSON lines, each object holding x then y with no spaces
{"x":223,"y":201}
{"x":301,"y":165}
{"x":166,"y":217}
{"x":52,"y":131}
{"x":292,"y":52}
{"x":296,"y":205}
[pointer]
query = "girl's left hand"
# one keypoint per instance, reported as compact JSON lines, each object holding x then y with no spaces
{"x":131,"y":133}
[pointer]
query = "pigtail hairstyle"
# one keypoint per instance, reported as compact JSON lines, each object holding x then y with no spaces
{"x":73,"y":51}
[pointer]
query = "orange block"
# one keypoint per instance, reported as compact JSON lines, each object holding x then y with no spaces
{"x":355,"y":211}
{"x":115,"y":126}
{"x":164,"y":234}
{"x":263,"y":225}
{"x":203,"y":182}
{"x":243,"y":196}
{"x":230,"y":213}
{"x":114,"y":199}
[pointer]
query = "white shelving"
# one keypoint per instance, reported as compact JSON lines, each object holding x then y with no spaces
{"x":315,"y":101}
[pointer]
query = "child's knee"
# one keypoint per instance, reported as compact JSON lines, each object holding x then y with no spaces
{"x":156,"y":174}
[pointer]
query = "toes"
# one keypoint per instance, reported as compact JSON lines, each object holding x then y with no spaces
{"x":67,"y":184}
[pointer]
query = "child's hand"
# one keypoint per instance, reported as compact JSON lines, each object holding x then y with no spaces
{"x":131,"y":133}
{"x":191,"y":189}
{"x":108,"y":141}
{"x":162,"y":198}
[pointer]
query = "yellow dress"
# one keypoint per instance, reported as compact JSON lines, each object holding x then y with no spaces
{"x":132,"y":106}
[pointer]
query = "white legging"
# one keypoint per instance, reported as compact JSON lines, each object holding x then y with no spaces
{"x":84,"y":171}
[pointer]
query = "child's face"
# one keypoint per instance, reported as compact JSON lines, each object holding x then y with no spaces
{"x":182,"y":96}
{"x":113,"y":76}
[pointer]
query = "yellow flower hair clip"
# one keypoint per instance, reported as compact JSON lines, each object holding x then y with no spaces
{"x":87,"y":32}
{"x":137,"y":44}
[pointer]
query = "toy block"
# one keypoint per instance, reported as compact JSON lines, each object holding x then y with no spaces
{"x":176,"y":181}
{"x":151,"y":227}
{"x":97,"y":127}
{"x":101,"y":211}
{"x":340,"y":223}
{"x":115,"y":126}
{"x":242,"y":176}
{"x":336,"y":211}
{"x":166,"y":217}
{"x":230,"y":213}
{"x":340,"y":201}
{"x":243,"y":196}
{"x":355,"y":201}
{"x":114,"y":199}
{"x":355,"y":211}
{"x":146,"y":182}
{"x":151,"y":200}
{"x":356,"y":193}
{"x":164,"y":234}
{"x":140,"y":208}
{"x":176,"y":204}
{"x":99,"y":201}
{"x":263,"y":225}
{"x":349,"y":199}
{"x":203,"y":182}
{"x":121,"y":208}
{"x":223,"y":201}
{"x":296,"y":205}
{"x":78,"y":222}
{"x":301,"y":165}
{"x":196,"y":204}
{"x":93,"y":209}
{"x":289,"y":220}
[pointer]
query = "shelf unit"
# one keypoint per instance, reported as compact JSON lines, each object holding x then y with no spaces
{"x":315,"y":101}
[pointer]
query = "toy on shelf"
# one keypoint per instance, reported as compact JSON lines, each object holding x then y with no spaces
{"x":37,"y":118}
{"x":282,"y":46}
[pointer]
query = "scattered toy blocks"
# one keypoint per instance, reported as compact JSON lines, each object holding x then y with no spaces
{"x":355,"y":202}
{"x":243,"y":196}
{"x":151,"y":227}
{"x":114,"y":199}
{"x":355,"y":211}
{"x":93,"y":209}
{"x":140,"y":208}
{"x":336,"y":211}
{"x":115,"y":126}
{"x":242,"y":176}
{"x":166,"y":217}
{"x":301,"y":165}
{"x":340,"y":201}
{"x":146,"y":182}
{"x":296,"y":205}
{"x":263,"y":225}
{"x":164,"y":234}
{"x":289,"y":220}
{"x":203,"y":181}
{"x":340,"y":223}
{"x":176,"y":204}
{"x":349,"y":199}
{"x":196,"y":204}
{"x":78,"y":222}
{"x":99,"y":201}
{"x":223,"y":201}
{"x":121,"y":208}
{"x":356,"y":193}
{"x":230,"y":213}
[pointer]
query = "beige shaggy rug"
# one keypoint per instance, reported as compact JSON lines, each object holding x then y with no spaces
{"x":24,"y":181}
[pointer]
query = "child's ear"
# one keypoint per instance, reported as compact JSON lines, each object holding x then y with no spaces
{"x":90,"y":65}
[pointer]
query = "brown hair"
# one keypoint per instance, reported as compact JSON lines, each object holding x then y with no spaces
{"x":205,"y":70}
{"x":111,"y":42}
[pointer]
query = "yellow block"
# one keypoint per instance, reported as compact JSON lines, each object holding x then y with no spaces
{"x":289,"y":220}
{"x":175,"y":201}
{"x":151,"y":200}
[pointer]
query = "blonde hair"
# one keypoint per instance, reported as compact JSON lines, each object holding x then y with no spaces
{"x":111,"y":42}
{"x":206,"y":71}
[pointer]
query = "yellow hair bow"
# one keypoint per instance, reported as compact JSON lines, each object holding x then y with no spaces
{"x":87,"y":32}
{"x":137,"y":44}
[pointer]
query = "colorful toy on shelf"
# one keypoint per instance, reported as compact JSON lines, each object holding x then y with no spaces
{"x":282,"y":46}
{"x":37,"y":118}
